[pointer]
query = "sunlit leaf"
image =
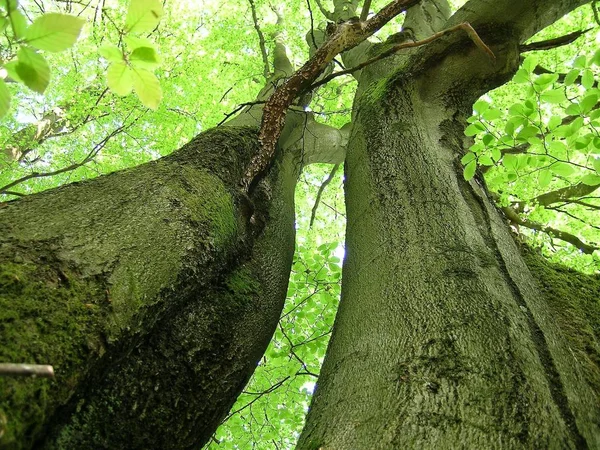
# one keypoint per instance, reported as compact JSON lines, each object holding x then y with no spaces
{"x":591,"y":179}
{"x":18,"y":23}
{"x":147,"y":87}
{"x":120,"y":78}
{"x":544,"y":178}
{"x":562,"y":169}
{"x":54,"y":32}
{"x":111,"y":53}
{"x":33,"y":69}
{"x":143,"y":15}
{"x":144,"y":57}
{"x":469,"y":171}
{"x":4,"y":99}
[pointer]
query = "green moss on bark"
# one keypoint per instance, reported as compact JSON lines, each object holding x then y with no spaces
{"x":47,"y":315}
{"x":574,"y":299}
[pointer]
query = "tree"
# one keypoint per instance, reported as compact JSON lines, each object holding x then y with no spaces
{"x":154,"y":291}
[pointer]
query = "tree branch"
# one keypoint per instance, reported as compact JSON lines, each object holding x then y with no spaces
{"x":553,"y":43}
{"x":396,"y":48}
{"x":261,"y":41}
{"x":320,"y":193}
{"x":515,"y":218}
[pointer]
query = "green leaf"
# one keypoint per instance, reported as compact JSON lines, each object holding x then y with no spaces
{"x":528,"y":132}
{"x":3,"y":23}
{"x":145,"y":57}
{"x":544,"y":177}
{"x":530,"y":63}
{"x":580,"y":62}
{"x":596,"y":58}
{"x":134,"y":42}
{"x":521,"y":76}
{"x":573,"y":109}
{"x":33,"y":70}
{"x":469,"y":171}
{"x":509,"y":161}
{"x":492,"y":114}
{"x":4,"y":99}
{"x":10,"y":5}
{"x":587,"y":79}
{"x":485,"y":160}
{"x":554,"y":122}
{"x":597,"y":165}
{"x":488,"y":139}
{"x":481,"y":106}
{"x":54,"y":32}
{"x":143,"y":15}
{"x":111,"y":53}
{"x":496,"y":154}
{"x":18,"y":23}
{"x":591,"y":179}
{"x":588,"y":103}
{"x":473,"y":129}
{"x":553,"y":96}
{"x":571,"y":77}
{"x":545,"y":79}
{"x":468,"y":158}
{"x":147,"y":87}
{"x":562,"y":169}
{"x":119,"y":78}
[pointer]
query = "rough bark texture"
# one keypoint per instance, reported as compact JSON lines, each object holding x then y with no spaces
{"x":444,"y":338}
{"x":153,"y":292}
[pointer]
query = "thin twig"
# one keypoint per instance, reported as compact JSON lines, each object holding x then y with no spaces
{"x":89,"y":157}
{"x":320,"y":193}
{"x":261,"y":41}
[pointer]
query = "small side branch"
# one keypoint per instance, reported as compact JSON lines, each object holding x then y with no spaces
{"x":261,"y":41}
{"x":516,"y":219}
{"x":26,"y":370}
{"x":553,"y":43}
{"x":320,"y":193}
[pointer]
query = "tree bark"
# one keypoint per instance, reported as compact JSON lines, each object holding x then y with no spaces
{"x":153,"y":292}
{"x":444,"y":338}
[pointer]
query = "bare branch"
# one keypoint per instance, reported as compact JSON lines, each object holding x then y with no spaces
{"x":365,"y":10}
{"x":261,"y":41}
{"x":515,"y":218}
{"x":553,"y":43}
{"x":320,"y":193}
{"x":26,"y":370}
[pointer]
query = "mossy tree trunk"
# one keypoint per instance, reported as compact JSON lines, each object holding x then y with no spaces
{"x":153,"y":292}
{"x":444,"y":338}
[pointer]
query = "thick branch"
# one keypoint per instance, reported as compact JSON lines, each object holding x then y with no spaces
{"x":344,"y":37}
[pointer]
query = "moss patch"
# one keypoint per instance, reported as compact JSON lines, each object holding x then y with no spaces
{"x":46,"y":312}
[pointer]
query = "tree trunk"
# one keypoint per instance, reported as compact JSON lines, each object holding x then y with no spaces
{"x":444,"y":338}
{"x":153,"y":292}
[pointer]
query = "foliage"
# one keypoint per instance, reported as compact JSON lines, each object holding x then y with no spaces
{"x":536,"y":135}
{"x":539,"y":136}
{"x":51,"y":32}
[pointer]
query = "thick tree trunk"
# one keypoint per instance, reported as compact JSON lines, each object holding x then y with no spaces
{"x":444,"y":338}
{"x":153,"y":292}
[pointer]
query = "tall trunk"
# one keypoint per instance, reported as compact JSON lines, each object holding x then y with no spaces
{"x":443,"y":338}
{"x":153,"y":292}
